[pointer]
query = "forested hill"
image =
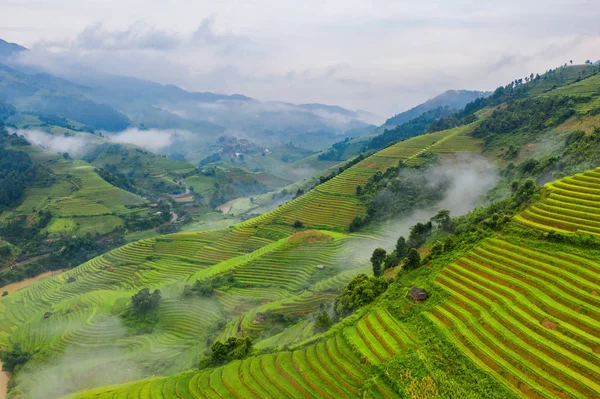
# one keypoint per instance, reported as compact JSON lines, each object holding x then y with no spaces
{"x":453,"y":99}
{"x":365,"y":285}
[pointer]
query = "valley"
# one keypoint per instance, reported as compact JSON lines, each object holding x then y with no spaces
{"x":452,"y":252}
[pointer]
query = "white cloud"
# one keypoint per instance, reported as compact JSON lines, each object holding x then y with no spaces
{"x":153,"y":140}
{"x":382,"y":55}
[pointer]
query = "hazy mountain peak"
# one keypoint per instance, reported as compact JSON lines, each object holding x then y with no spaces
{"x":8,"y":49}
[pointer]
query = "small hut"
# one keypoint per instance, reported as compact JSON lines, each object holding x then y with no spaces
{"x":418,"y":294}
{"x":47,"y":315}
{"x":320,"y":267}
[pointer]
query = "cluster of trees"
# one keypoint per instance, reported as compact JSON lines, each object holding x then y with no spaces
{"x":360,"y":291}
{"x":21,"y":230}
{"x":323,"y":322}
{"x":525,"y":117}
{"x":145,"y":301}
{"x":444,"y":233}
{"x":210,"y":159}
{"x":206,"y":288}
{"x":112,"y":175}
{"x":396,"y":191}
{"x":222,"y":352}
{"x":579,"y":153}
{"x":406,"y":251}
{"x":161,"y":215}
{"x":142,"y":316}
{"x":14,"y":358}
{"x":60,"y":253}
{"x":336,"y":152}
{"x":17,"y":171}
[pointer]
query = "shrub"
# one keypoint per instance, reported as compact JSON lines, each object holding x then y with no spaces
{"x":298,"y":224}
{"x":360,"y":291}
{"x":13,"y":358}
{"x":144,"y":301}
{"x":376,"y":260}
{"x":222,"y":352}
{"x":413,"y":261}
{"x":323,"y":322}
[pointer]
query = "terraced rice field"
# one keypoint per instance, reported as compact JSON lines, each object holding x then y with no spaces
{"x":573,"y":205}
{"x":336,"y":367}
{"x":270,"y":263}
{"x":84,"y":311}
{"x":531,"y":318}
{"x":333,"y":204}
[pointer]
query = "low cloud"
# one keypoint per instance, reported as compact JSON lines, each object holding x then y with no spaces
{"x":468,"y":178}
{"x":154,"y":140}
{"x":76,"y":146}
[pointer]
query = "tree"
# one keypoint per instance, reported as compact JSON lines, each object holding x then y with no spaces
{"x":442,"y":219}
{"x":222,"y":352}
{"x":298,"y":224}
{"x":437,"y":248}
{"x":357,"y":222}
{"x":144,"y":301}
{"x":323,"y":322}
{"x":413,"y":261}
{"x":376,"y":260}
{"x":358,"y":190}
{"x":13,"y":358}
{"x":360,"y":291}
{"x":401,"y":248}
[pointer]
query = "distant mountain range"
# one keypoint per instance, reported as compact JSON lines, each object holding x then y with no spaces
{"x":113,"y":103}
{"x":95,"y":101}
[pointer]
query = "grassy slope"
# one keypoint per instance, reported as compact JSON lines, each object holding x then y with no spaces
{"x":79,"y":200}
{"x":270,"y":269}
{"x":473,"y":325}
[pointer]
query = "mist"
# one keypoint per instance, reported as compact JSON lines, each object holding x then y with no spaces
{"x":468,"y":177}
{"x":155,"y":140}
{"x":76,"y":146}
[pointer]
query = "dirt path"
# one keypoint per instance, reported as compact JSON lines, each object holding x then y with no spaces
{"x":26,"y":283}
{"x":226,"y":207}
{"x":4,"y":377}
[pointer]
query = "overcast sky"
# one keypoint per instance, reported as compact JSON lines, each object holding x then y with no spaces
{"x":383,"y":56}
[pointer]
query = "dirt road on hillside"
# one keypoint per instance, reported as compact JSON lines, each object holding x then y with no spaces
{"x":26,"y":283}
{"x":4,"y":377}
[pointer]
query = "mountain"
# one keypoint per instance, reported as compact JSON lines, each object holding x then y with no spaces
{"x":9,"y":49}
{"x":454,"y":99}
{"x":49,"y":96}
{"x":114,"y":103}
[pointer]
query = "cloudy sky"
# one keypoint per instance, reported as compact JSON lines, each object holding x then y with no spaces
{"x":381,"y":55}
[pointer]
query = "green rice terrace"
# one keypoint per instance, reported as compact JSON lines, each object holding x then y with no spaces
{"x":502,"y":302}
{"x":571,"y":205}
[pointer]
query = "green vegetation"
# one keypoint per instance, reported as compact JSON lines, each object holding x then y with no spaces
{"x":14,"y":358}
{"x":360,"y":291}
{"x":510,"y":310}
